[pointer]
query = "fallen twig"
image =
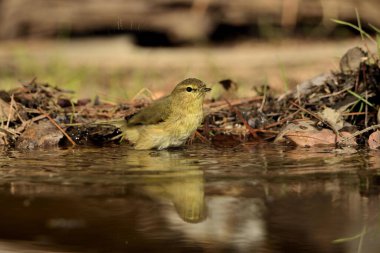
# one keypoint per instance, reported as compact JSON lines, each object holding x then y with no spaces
{"x":336,"y":93}
{"x":25,"y":123}
{"x":9,"y":131}
{"x":240,"y":116}
{"x":373,"y":127}
{"x":201,"y":137}
{"x":10,"y":111}
{"x":283,"y":120}
{"x":59,"y":128}
{"x":33,"y":81}
{"x":353,"y":113}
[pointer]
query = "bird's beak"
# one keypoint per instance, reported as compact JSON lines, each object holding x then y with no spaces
{"x":205,"y":89}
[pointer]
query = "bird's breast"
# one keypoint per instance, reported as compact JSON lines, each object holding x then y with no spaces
{"x":185,"y":125}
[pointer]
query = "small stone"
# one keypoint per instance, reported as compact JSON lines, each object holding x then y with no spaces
{"x":350,"y":62}
{"x":39,"y":135}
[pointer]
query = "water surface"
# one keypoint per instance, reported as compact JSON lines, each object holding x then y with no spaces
{"x":254,"y":198}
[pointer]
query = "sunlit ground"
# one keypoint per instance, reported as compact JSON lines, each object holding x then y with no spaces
{"x":115,"y":69}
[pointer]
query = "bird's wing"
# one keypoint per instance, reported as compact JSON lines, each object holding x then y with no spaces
{"x":157,"y":112}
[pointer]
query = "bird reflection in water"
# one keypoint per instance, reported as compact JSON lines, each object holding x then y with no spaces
{"x":171,"y":176}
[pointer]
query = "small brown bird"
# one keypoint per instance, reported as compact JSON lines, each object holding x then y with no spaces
{"x":169,"y":121}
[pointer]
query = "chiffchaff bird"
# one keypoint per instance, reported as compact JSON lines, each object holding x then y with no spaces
{"x":169,"y":121}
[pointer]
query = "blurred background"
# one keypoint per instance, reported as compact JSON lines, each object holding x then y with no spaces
{"x":115,"y":48}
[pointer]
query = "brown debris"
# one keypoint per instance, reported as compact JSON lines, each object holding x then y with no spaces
{"x":336,"y":109}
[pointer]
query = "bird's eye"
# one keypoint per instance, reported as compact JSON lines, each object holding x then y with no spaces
{"x":189,"y":89}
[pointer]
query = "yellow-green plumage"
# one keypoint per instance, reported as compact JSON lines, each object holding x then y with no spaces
{"x":170,"y":121}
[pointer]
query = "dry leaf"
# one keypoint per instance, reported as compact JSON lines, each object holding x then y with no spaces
{"x":305,"y":134}
{"x":316,"y":137}
{"x":301,"y":126}
{"x":374,"y":140}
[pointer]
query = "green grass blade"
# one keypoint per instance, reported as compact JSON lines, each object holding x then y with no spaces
{"x":359,"y":23}
{"x":340,"y":22}
{"x":374,"y":28}
{"x":347,"y":239}
{"x":361,"y":107}
{"x":360,"y":97}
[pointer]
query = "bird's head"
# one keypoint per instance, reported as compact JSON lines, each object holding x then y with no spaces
{"x":190,"y":90}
